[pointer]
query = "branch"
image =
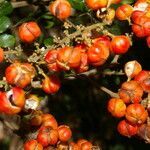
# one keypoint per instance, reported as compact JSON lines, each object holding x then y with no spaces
{"x":19,"y":4}
{"x":112,"y":94}
{"x":77,"y":33}
{"x":22,"y":4}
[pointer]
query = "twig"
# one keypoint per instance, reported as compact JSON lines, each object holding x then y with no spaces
{"x":77,"y":33}
{"x":19,"y":4}
{"x":22,"y":4}
{"x":112,"y":94}
{"x":109,"y":73}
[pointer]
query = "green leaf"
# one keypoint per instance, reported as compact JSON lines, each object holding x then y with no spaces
{"x":49,"y":24}
{"x":127,"y":1}
{"x":78,"y":5}
{"x":47,"y":16}
{"x":7,"y":40}
{"x":48,"y":41}
{"x":4,"y":23}
{"x":5,"y":8}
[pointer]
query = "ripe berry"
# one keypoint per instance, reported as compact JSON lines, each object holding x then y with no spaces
{"x":116,"y":107}
{"x":136,"y":15}
{"x":96,"y":4}
{"x":29,"y":32}
{"x":51,"y":84}
{"x":64,"y":133}
{"x":80,"y":142}
{"x":143,"y":78}
{"x":120,"y":44}
{"x":32,"y":145}
{"x":124,"y":12}
{"x":142,"y":27}
{"x":102,"y":39}
{"x":132,"y":68}
{"x":131,"y":91}
{"x":73,"y":146}
{"x":1,"y":55}
{"x":125,"y":128}
{"x":20,"y":74}
{"x":50,"y":58}
{"x":36,"y":118}
{"x":12,"y":101}
{"x":47,"y":136}
{"x":136,"y":114}
{"x":69,"y":57}
{"x":98,"y":54}
{"x":86,"y":146}
{"x":60,"y":9}
{"x":49,"y":121}
{"x":84,"y":59}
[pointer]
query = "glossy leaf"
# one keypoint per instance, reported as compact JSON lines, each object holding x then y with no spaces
{"x":5,"y":8}
{"x":4,"y":23}
{"x":7,"y":40}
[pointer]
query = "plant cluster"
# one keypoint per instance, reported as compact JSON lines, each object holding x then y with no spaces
{"x":72,"y":50}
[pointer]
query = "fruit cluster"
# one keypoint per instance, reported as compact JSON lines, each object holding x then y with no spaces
{"x":129,"y":102}
{"x":139,"y":14}
{"x":51,"y":135}
{"x":81,"y":56}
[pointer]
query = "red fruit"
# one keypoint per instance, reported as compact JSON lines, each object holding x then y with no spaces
{"x":47,"y":136}
{"x":32,"y":145}
{"x":86,"y":146}
{"x":29,"y":32}
{"x":20,"y":74}
{"x":98,"y":54}
{"x":120,"y":44}
{"x":142,"y":28}
{"x":136,"y":114}
{"x":124,"y":12}
{"x":116,"y":1}
{"x":136,"y":15}
{"x":148,"y":41}
{"x":36,"y":118}
{"x":64,"y":133}
{"x":49,"y":120}
{"x":1,"y":55}
{"x":96,"y":4}
{"x":69,"y":57}
{"x":102,"y":39}
{"x":13,"y":101}
{"x":116,"y":107}
{"x":50,"y":58}
{"x":60,"y":9}
{"x":80,"y":142}
{"x":143,"y":78}
{"x":131,"y":92}
{"x":51,"y":84}
{"x":127,"y":129}
{"x":73,"y":146}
